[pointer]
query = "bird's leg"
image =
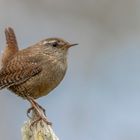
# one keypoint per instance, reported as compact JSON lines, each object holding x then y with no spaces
{"x":32,"y":108}
{"x":41,"y":115}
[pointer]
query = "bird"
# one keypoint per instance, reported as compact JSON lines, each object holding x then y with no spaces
{"x":35,"y":71}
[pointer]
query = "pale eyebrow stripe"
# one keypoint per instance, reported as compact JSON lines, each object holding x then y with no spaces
{"x":52,"y":41}
{"x":44,"y":42}
{"x":47,"y":42}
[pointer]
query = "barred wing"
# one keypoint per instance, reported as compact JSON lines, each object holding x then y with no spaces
{"x":17,"y":71}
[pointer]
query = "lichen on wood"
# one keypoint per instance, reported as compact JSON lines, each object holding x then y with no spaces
{"x":38,"y":131}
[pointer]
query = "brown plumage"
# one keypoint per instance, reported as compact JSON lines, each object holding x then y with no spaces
{"x":12,"y":46}
{"x":35,"y":71}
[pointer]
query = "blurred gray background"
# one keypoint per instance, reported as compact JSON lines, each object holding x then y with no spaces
{"x":99,"y":99}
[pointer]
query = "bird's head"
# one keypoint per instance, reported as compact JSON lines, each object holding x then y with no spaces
{"x":57,"y":44}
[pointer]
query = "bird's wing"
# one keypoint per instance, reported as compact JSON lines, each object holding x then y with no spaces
{"x":17,"y":71}
{"x":11,"y":45}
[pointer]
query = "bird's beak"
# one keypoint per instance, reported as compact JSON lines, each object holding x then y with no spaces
{"x":72,"y":45}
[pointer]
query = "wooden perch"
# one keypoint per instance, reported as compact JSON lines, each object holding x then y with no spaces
{"x":39,"y":131}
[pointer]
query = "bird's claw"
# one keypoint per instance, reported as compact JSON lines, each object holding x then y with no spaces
{"x":39,"y":119}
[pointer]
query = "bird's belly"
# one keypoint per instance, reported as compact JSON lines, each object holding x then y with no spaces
{"x":39,"y":85}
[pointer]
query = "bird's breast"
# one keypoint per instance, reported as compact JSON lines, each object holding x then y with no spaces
{"x":41,"y":84}
{"x":49,"y":78}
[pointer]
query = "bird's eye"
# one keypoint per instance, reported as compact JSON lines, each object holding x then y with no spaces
{"x":55,"y":44}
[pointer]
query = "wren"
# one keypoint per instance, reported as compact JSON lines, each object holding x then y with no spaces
{"x":34,"y":71}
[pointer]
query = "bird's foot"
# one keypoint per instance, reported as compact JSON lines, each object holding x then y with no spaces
{"x":39,"y":112}
{"x":39,"y":119}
